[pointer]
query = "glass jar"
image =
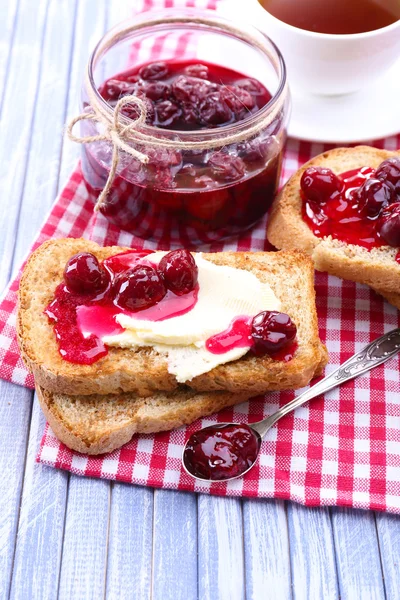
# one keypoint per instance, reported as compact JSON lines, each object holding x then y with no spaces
{"x":206,"y":184}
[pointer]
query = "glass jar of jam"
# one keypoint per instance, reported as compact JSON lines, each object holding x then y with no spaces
{"x":216,"y":108}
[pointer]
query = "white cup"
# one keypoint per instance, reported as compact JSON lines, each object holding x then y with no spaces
{"x":321,"y":63}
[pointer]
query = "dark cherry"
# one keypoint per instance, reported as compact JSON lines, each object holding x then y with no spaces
{"x":191,"y":89}
{"x":226,"y":167}
{"x":164,"y":158}
{"x":254,"y":87}
{"x":214,"y":110}
{"x":114,"y":89}
{"x":156,"y":90}
{"x":190,"y":114}
{"x":200,"y":71}
{"x":256,"y":149}
{"x":138,"y":288}
{"x":179,"y":271}
{"x":167,"y":113}
{"x":319,"y":184}
{"x":271,"y":331}
{"x":238,"y":99}
{"x":83,"y":274}
{"x":374,"y":195}
{"x":221,"y":451}
{"x":132,"y":111}
{"x":389,"y":225}
{"x":389,"y":171}
{"x":154,"y":71}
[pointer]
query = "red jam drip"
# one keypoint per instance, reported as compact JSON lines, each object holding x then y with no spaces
{"x":80,"y":320}
{"x":397,"y":257}
{"x":238,"y":335}
{"x":221,"y":451}
{"x":100,"y":320}
{"x":339,"y":216}
{"x":72,"y":345}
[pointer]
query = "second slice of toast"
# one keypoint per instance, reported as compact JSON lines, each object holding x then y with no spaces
{"x":144,"y":371}
{"x":287,"y":229}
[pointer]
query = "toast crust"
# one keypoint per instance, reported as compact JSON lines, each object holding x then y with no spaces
{"x":286,"y":229}
{"x":144,"y":371}
{"x":98,"y":424}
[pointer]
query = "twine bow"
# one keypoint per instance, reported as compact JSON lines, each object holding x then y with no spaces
{"x":116,"y":133}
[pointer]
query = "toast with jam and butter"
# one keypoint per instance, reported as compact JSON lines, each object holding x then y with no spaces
{"x":144,"y":371}
{"x":347,"y":220}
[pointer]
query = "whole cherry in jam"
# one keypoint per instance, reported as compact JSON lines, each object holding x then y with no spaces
{"x":389,"y":225}
{"x":319,"y":183}
{"x":154,"y":71}
{"x":226,"y":167}
{"x":138,"y":288}
{"x":271,"y":331}
{"x":83,"y":274}
{"x":179,"y":271}
{"x":221,"y":451}
{"x":374,"y":195}
{"x":389,"y":171}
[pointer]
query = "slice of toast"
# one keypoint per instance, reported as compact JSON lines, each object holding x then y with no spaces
{"x":287,"y":230}
{"x":97,"y":424}
{"x":144,"y":371}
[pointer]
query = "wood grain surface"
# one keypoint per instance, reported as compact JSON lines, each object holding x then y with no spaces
{"x":70,"y":538}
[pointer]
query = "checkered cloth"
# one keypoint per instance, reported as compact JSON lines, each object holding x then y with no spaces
{"x":340,"y":450}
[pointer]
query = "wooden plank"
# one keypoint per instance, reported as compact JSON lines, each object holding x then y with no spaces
{"x":388,"y":527}
{"x":90,"y":26}
{"x":84,"y":553}
{"x":41,"y":182}
{"x":357,"y":555}
{"x":266,"y":550}
{"x":312,"y":553}
{"x":15,"y":126}
{"x":220,"y":547}
{"x":174,"y":546}
{"x":8,"y":9}
{"x":25,"y":57}
{"x":15,"y":409}
{"x":130,"y":543}
{"x":41,"y":519}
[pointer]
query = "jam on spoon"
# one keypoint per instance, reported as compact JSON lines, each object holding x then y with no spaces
{"x":221,"y":451}
{"x":228,"y":450}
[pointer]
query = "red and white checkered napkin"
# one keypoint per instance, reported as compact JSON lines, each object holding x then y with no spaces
{"x":343,"y":450}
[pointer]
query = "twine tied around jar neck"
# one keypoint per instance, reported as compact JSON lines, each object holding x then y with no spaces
{"x":124,"y":133}
{"x":115,"y":132}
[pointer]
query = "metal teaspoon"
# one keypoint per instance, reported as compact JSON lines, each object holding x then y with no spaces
{"x":371,"y":356}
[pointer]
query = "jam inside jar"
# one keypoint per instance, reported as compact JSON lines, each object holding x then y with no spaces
{"x":225,"y":98}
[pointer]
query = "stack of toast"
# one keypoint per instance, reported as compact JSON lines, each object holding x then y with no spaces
{"x":97,"y":408}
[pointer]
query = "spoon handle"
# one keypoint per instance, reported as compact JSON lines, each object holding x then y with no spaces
{"x":376,"y":353}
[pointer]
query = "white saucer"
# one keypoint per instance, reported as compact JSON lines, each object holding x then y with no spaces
{"x":370,"y":114}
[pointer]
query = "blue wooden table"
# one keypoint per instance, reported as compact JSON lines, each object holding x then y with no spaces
{"x":71,"y":538}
